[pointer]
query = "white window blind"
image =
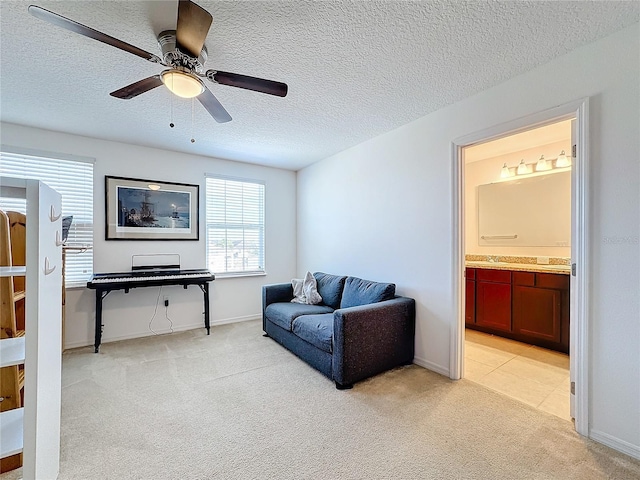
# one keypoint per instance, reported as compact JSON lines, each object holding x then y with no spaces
{"x":73,"y":180}
{"x":235,"y":226}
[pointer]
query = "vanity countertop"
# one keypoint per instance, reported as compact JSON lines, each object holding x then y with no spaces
{"x":520,"y":267}
{"x":521,"y":264}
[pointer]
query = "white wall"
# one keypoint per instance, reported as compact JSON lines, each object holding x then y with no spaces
{"x":128,"y":315}
{"x":383,"y":210}
{"x":487,"y":171}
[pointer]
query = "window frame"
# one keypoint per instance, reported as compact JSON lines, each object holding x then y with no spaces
{"x":260,"y":227}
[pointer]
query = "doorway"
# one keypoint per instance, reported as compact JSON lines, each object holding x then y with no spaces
{"x":517,"y":266}
{"x":577,"y":111}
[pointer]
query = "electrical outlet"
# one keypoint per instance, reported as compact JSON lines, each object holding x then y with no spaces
{"x":543,"y":260}
{"x":166,"y":300}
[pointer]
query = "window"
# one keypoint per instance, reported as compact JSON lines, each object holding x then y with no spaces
{"x":73,"y":180}
{"x":235,"y":226}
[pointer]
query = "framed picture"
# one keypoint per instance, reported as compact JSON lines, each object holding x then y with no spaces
{"x":150,"y":210}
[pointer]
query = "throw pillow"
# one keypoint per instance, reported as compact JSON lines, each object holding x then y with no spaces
{"x":310,"y":289}
{"x":298,"y":291}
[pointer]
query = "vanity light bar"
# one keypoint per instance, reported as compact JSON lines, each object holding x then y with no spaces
{"x":542,"y":164}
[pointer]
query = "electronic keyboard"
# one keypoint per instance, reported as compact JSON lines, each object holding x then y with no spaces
{"x":150,"y":278}
{"x":104,"y":283}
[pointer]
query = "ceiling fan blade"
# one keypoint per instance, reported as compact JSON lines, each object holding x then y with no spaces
{"x":278,"y":89}
{"x":76,"y":27}
{"x":138,"y":87}
{"x":193,"y":26}
{"x":213,"y":106}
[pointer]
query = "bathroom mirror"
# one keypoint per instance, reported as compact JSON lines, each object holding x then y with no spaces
{"x":528,"y":212}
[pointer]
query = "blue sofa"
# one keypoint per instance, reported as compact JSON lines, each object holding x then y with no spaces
{"x":360,"y":329}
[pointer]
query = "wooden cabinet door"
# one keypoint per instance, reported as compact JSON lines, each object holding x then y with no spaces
{"x":470,"y":302}
{"x":493,"y":305}
{"x":537,"y":312}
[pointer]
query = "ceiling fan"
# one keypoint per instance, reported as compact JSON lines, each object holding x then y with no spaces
{"x":183,"y":53}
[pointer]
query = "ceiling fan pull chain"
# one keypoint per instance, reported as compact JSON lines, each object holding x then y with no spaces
{"x":193,"y":140}
{"x":171,"y":124}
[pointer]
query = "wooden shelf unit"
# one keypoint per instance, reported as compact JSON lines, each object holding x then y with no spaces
{"x":12,"y":353}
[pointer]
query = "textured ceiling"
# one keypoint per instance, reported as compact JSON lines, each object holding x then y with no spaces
{"x":355,"y":69}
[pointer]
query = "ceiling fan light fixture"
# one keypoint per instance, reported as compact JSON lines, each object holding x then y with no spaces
{"x":181,"y":83}
{"x":183,"y":54}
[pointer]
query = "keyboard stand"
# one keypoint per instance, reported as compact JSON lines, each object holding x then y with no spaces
{"x":104,"y":289}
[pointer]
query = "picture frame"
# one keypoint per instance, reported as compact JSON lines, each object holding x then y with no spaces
{"x":138,"y":209}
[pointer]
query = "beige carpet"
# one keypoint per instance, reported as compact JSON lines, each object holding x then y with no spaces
{"x":235,"y":405}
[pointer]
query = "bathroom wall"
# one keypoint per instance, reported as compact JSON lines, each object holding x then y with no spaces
{"x":488,"y":171}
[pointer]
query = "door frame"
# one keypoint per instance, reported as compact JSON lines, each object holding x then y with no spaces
{"x":579,"y":318}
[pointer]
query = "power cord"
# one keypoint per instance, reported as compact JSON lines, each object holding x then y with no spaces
{"x":166,"y":314}
{"x":155,"y":311}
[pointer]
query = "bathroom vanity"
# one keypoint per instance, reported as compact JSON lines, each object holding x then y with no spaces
{"x":527,"y":303}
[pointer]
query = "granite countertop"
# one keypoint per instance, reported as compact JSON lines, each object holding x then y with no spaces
{"x":521,"y":264}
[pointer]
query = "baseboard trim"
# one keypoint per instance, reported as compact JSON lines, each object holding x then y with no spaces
{"x":431,"y":366}
{"x":615,"y":443}
{"x":164,"y":331}
{"x":244,"y":318}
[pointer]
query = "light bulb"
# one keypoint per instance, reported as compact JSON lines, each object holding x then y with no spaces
{"x":562,"y":160}
{"x":522,"y":168}
{"x":542,"y":164}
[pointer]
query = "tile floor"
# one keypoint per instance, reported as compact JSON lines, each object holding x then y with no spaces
{"x":531,"y":374}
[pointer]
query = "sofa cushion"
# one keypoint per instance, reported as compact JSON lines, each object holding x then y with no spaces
{"x":330,"y":288}
{"x":363,"y":292}
{"x":316,"y":329}
{"x":283,"y":314}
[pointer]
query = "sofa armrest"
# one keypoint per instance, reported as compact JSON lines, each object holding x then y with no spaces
{"x":370,"y":339}
{"x":274,"y":293}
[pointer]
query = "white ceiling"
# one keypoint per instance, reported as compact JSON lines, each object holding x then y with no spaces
{"x":355,"y":69}
{"x":535,"y":137}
